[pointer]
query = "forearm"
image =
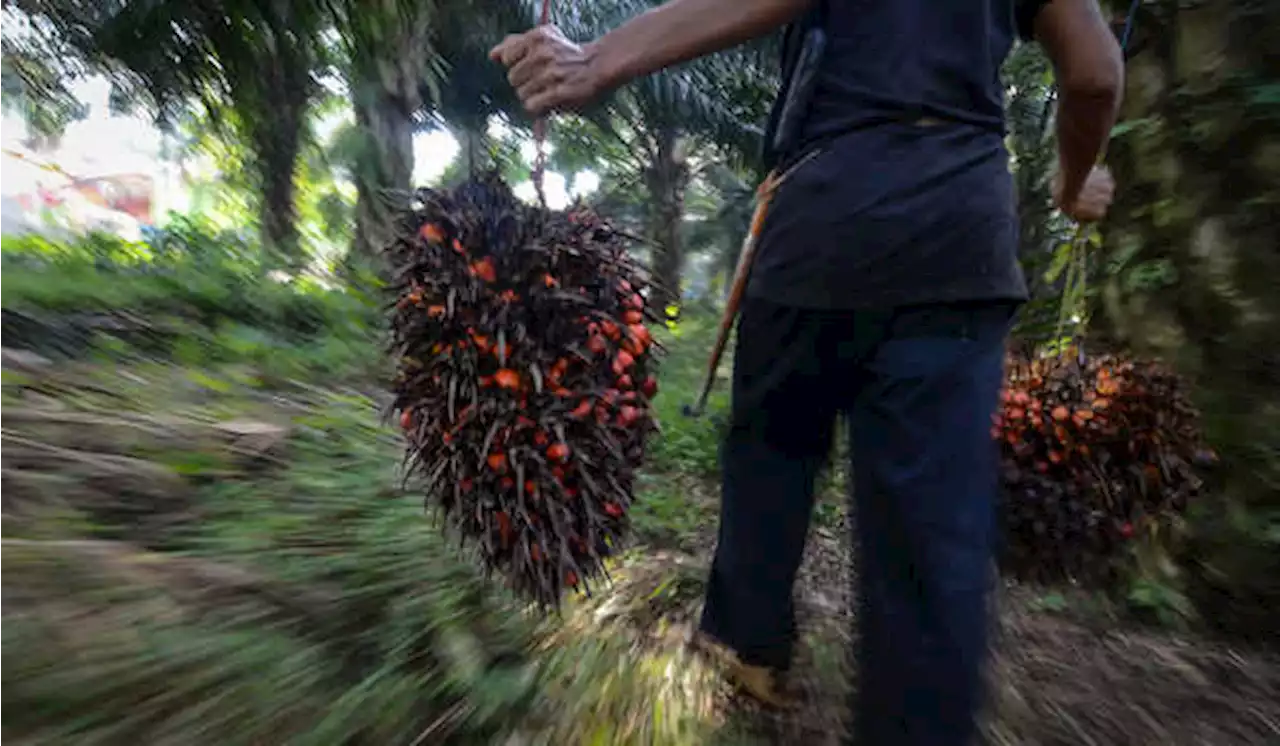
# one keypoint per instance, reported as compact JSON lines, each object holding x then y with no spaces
{"x":1085,"y":120}
{"x":681,"y":30}
{"x":1090,"y":72}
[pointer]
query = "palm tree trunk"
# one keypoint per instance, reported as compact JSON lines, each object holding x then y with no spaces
{"x":273,"y":104}
{"x":385,"y":172}
{"x":1194,"y":223}
{"x":276,"y":211}
{"x":389,"y":53}
{"x":472,"y":137}
{"x":666,"y":179}
{"x":275,"y":151}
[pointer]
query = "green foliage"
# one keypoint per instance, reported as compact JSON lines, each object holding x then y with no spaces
{"x":688,"y":445}
{"x":723,"y":201}
{"x":474,"y":89}
{"x":210,"y":298}
{"x":35,"y":72}
{"x":1045,"y":240}
{"x":314,"y":606}
{"x":300,"y":597}
{"x":1190,"y":277}
{"x":718,"y":101}
{"x":253,"y":77}
{"x":378,"y":548}
{"x":673,"y":510}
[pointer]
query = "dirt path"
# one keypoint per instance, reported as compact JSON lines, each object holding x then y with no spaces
{"x":1056,"y":679}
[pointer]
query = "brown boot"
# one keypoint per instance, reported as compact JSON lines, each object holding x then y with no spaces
{"x":760,"y":682}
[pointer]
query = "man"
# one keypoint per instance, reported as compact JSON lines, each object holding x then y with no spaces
{"x":883,"y":290}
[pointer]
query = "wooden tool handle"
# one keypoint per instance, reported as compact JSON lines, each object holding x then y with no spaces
{"x":745,"y":259}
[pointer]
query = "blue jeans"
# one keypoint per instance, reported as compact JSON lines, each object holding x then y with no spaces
{"x":917,"y":387}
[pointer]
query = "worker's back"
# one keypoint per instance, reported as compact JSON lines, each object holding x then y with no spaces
{"x":912,"y":201}
{"x":905,"y":59}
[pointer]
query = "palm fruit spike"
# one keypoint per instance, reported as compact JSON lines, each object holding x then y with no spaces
{"x":1094,"y":454}
{"x":524,"y":377}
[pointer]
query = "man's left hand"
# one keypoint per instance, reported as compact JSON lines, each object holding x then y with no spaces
{"x":548,"y":71}
{"x":1094,"y":199}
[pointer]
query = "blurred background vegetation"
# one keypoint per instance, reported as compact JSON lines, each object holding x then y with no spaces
{"x":205,"y":540}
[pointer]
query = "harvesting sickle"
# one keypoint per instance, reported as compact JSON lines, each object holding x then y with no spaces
{"x":741,"y":274}
{"x":780,"y":136}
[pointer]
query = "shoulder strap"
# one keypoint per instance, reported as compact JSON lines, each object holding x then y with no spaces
{"x":793,"y":39}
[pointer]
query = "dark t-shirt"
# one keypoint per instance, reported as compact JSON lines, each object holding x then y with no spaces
{"x":892,"y":211}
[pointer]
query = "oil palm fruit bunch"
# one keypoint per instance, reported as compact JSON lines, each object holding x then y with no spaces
{"x":1094,"y":453}
{"x":524,"y":377}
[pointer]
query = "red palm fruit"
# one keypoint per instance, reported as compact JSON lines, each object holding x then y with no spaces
{"x":558,"y":452}
{"x":432,"y":233}
{"x":507,"y":379}
{"x":641,"y":333}
{"x":622,"y":362}
{"x":483,"y":268}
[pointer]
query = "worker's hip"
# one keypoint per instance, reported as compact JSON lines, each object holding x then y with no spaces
{"x":795,"y":368}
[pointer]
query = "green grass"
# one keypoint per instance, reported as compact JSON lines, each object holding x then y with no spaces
{"x":676,"y":502}
{"x":689,"y":445}
{"x":163,"y":587}
{"x":300,"y":600}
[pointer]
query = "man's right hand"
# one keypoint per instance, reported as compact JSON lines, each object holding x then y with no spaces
{"x":1094,"y":199}
{"x":548,"y":71}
